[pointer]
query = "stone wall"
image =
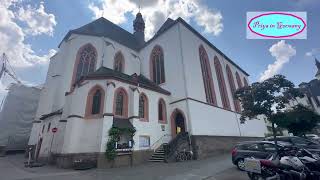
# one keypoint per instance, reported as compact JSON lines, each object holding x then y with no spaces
{"x":206,"y":146}
{"x":66,"y":161}
{"x":137,"y":157}
{"x":99,"y":160}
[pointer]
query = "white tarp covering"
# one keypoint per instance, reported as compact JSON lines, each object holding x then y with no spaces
{"x":17,"y":115}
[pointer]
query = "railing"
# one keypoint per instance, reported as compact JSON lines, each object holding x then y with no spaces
{"x":160,"y":141}
{"x":171,"y":147}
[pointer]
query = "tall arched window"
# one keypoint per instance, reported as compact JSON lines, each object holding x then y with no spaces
{"x":207,"y":76}
{"x":95,"y":102}
{"x":85,"y":62}
{"x":233,"y":89}
{"x":143,"y":107}
{"x":239,"y":80}
{"x":119,"y":62}
{"x":222,"y":84}
{"x":245,"y":82}
{"x":121,"y":103}
{"x":157,"y":65}
{"x":162,"y":111}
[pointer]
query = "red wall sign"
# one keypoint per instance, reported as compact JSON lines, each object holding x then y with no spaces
{"x":54,"y":130}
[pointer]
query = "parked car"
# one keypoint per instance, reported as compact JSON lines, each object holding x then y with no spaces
{"x":256,"y":149}
{"x":313,"y":137}
{"x":299,"y":142}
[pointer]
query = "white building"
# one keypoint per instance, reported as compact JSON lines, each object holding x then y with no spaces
{"x":176,"y":81}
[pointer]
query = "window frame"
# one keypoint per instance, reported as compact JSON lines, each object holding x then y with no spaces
{"x":222,"y":85}
{"x":207,"y":76}
{"x":157,"y":65}
{"x":232,"y":86}
{"x":145,"y":107}
{"x":77,"y":63}
{"x":124,"y":105}
{"x":90,"y":99}
{"x":164,"y":111}
{"x":119,"y":58}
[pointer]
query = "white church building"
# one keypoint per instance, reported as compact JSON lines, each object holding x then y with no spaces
{"x":103,"y":76}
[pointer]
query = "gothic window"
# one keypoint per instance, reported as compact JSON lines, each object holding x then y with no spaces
{"x":119,"y":62}
{"x":157,"y":65}
{"x":49,"y":126}
{"x":95,"y":102}
{"x":238,"y":80}
{"x":222,"y":85}
{"x":207,"y":76}
{"x":162,"y":111}
{"x":245,"y":82}
{"x":86,"y":61}
{"x":233,"y":89}
{"x":143,"y":107}
{"x":121,"y":103}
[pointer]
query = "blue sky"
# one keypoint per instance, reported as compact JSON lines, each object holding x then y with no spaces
{"x":222,"y":22}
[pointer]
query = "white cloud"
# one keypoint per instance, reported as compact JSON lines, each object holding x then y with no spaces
{"x":37,"y":20}
{"x":313,"y":52}
{"x":12,"y":37}
{"x":282,"y":52}
{"x":155,"y":12}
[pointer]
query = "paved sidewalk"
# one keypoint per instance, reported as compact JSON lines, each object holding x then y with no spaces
{"x":216,"y":168}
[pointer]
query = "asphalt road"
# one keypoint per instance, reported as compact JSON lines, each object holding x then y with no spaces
{"x":216,"y":168}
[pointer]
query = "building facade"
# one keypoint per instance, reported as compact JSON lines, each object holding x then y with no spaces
{"x":175,"y":82}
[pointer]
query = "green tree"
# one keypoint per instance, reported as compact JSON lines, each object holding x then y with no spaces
{"x":267,"y":99}
{"x":299,"y":120}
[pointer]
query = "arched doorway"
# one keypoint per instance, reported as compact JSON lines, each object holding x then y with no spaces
{"x":178,"y":122}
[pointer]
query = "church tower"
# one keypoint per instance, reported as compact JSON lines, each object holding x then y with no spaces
{"x":318,"y":72}
{"x":138,"y":26}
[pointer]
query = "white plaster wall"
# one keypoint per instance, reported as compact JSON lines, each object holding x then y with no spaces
{"x":212,"y":121}
{"x":82,"y":135}
{"x":33,"y":139}
{"x":90,"y":135}
{"x":224,"y":123}
{"x":174,"y":76}
{"x":152,"y":128}
{"x":195,"y":85}
{"x":47,"y":136}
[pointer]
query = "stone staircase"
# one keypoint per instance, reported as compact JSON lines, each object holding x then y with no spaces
{"x":158,"y":155}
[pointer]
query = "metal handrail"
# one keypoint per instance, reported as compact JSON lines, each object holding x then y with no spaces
{"x":157,"y":141}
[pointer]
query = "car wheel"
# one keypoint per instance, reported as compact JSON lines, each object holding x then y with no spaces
{"x":240,"y":164}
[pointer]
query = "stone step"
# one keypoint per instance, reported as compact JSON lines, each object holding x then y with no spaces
{"x":157,"y":152}
{"x":157,"y":156}
{"x":152,"y":160}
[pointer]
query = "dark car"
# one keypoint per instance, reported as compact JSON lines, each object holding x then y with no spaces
{"x":256,"y":149}
{"x":299,"y":142}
